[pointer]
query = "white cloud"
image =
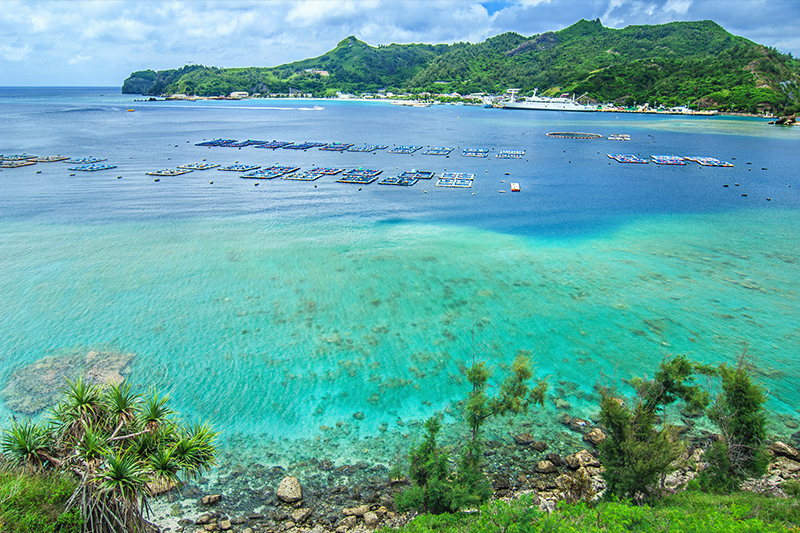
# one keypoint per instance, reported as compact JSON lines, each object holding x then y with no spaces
{"x":78,"y":59}
{"x":14,"y":53}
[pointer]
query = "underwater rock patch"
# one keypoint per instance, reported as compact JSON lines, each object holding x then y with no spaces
{"x":36,"y":386}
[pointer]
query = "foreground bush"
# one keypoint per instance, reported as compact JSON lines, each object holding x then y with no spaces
{"x":34,"y":503}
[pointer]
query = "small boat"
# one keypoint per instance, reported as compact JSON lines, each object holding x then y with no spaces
{"x":130,"y":110}
{"x":515,"y":187}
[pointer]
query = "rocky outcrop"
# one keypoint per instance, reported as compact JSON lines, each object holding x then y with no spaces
{"x":34,"y":387}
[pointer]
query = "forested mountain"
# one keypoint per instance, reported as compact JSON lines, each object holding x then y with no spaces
{"x":696,"y":63}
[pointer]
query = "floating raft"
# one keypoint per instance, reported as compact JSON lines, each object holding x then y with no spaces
{"x":198,"y":166}
{"x":708,"y":161}
{"x":336,"y":147}
{"x":398,"y":180}
{"x":274,"y":145}
{"x":84,"y":160}
{"x":17,"y":164}
{"x":511,"y":154}
{"x":417,"y":174}
{"x":405,"y":149}
{"x":627,"y":158}
{"x":239,"y":168}
{"x":20,"y":157}
{"x":302,"y":146}
{"x":438,"y":150}
{"x":50,"y":158}
{"x":359,"y":175}
{"x":168,"y":172}
{"x":619,"y":137}
{"x":461,"y":180}
{"x":308,"y":175}
{"x":216,"y":142}
{"x":327,"y":171}
{"x":368,"y":148}
{"x":93,"y":168}
{"x":574,"y":135}
{"x":269,"y":173}
{"x":668,"y":160}
{"x":475,"y":152}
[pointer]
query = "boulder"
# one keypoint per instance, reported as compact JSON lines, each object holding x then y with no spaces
{"x":781,"y":449}
{"x":300,"y":515}
{"x":289,"y":490}
{"x":356,"y":511}
{"x":225,"y":525}
{"x":211,"y":499}
{"x":784,"y":466}
{"x":348,"y":522}
{"x":546,"y":467}
{"x":595,"y":436}
{"x":524,"y":439}
{"x":555,"y":459}
{"x":203,"y":519}
{"x":580,"y":459}
{"x":580,"y":425}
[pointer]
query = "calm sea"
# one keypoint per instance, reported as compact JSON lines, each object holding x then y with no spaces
{"x":278,"y":309}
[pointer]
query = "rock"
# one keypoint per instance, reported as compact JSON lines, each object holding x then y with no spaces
{"x":781,"y":449}
{"x":289,"y":490}
{"x":555,"y":459}
{"x":34,"y":387}
{"x":546,"y":467}
{"x":359,"y":416}
{"x":524,"y":439}
{"x":580,"y":425}
{"x":211,"y":499}
{"x":785,"y":466}
{"x":564,"y":418}
{"x":300,"y":515}
{"x":582,"y":458}
{"x":348,"y":522}
{"x":356,"y":511}
{"x":539,"y":445}
{"x":562,"y":405}
{"x":210,"y":527}
{"x":204,"y":518}
{"x":371,"y":519}
{"x":225,"y":525}
{"x":595,"y":436}
{"x":247,"y":530}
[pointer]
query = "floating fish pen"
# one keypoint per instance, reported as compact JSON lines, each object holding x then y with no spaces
{"x":668,"y":160}
{"x":458,"y":175}
{"x":84,"y":160}
{"x":475,"y":152}
{"x":404,"y":149}
{"x":359,"y":175}
{"x":269,"y":173}
{"x":398,"y":180}
{"x":302,"y":146}
{"x":574,"y":135}
{"x":239,"y":168}
{"x":274,"y":145}
{"x":93,"y":168}
{"x":216,"y":142}
{"x":336,"y":147}
{"x":198,"y":166}
{"x":627,"y":158}
{"x":461,"y":183}
{"x":308,"y":175}
{"x":168,"y":172}
{"x":20,"y":157}
{"x":708,"y":161}
{"x":327,"y":171}
{"x":248,"y":142}
{"x":368,"y":148}
{"x":17,"y":164}
{"x":511,"y":154}
{"x":417,"y":174}
{"x":438,"y":150}
{"x":619,"y":137}
{"x":50,"y":158}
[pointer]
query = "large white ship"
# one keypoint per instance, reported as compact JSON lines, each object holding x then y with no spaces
{"x":562,"y":103}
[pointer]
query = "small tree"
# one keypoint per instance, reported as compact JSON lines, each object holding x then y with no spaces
{"x":120,"y":445}
{"x":636,"y":453}
{"x":435,"y":488}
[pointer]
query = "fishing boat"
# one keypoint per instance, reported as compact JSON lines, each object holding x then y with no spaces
{"x":544,"y":103}
{"x":515,"y":187}
{"x":168,"y":172}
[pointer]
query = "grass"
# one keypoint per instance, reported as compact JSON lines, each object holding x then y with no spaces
{"x":34,"y":503}
{"x":684,"y":512}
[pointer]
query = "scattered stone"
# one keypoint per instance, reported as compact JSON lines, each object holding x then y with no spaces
{"x":371,"y":519}
{"x":210,"y":527}
{"x":348,"y":522}
{"x":225,"y":525}
{"x":203,"y":519}
{"x":211,"y":499}
{"x":289,"y":490}
{"x":546,"y":467}
{"x":580,"y":425}
{"x":564,"y":418}
{"x":300,"y":515}
{"x":784,"y":465}
{"x":555,"y":459}
{"x":582,"y":458}
{"x":562,"y":405}
{"x":524,"y":439}
{"x":356,"y":511}
{"x":539,"y":445}
{"x":595,"y":436}
{"x":359,"y":416}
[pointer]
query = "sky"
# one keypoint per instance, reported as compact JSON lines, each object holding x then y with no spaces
{"x":101,"y":42}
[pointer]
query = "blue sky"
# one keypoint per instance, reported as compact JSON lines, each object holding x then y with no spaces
{"x":100,"y":42}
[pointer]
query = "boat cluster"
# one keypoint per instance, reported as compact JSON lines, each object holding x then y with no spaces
{"x":669,"y":160}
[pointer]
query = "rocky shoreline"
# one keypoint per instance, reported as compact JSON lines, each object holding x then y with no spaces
{"x":318,"y":497}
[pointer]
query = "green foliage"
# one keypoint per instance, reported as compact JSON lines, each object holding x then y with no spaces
{"x":671,"y":64}
{"x":118,"y":444}
{"x":719,"y":477}
{"x":34,"y":503}
{"x":791,"y":488}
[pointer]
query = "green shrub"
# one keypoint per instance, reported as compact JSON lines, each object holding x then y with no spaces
{"x":34,"y":503}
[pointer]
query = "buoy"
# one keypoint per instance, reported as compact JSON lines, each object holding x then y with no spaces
{"x":211,"y":183}
{"x":256,"y":184}
{"x":156,"y":179}
{"x":725,"y":185}
{"x":119,"y":177}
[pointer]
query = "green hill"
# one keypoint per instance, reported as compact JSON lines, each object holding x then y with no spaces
{"x":698,"y":63}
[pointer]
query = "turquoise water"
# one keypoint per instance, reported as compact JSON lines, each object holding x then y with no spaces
{"x":279,"y":312}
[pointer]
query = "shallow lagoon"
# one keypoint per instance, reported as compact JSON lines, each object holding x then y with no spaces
{"x":278,"y":311}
